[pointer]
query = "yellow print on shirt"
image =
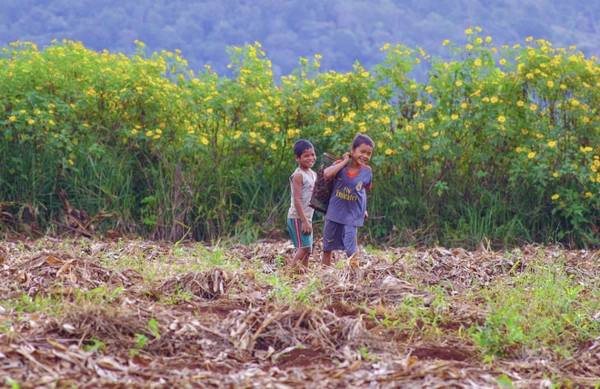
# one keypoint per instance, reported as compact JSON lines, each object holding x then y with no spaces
{"x":346,"y":194}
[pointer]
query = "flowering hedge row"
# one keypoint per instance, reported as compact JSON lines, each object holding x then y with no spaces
{"x":499,"y":142}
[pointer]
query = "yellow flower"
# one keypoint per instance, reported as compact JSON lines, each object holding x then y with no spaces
{"x":454,"y":116}
{"x":533,"y":107}
{"x":413,"y":86}
{"x":331,"y":119}
{"x":477,"y":62}
{"x":469,"y":47}
{"x":204,"y":140}
{"x":574,"y":102}
{"x":586,"y":149}
{"x":469,"y":31}
{"x":555,"y":175}
{"x":30,"y":122}
{"x":519,"y":149}
{"x":501,"y":119}
{"x":385,"y":47}
{"x":529,"y":39}
{"x":488,"y":39}
{"x":531,"y":155}
{"x":418,"y":103}
{"x":458,"y":83}
{"x":446,"y":42}
{"x":273,"y":146}
{"x":494,"y":99}
{"x":327,"y":131}
{"x":588,"y":195}
{"x":552,"y":144}
{"x":502,"y":61}
{"x":429,"y":89}
{"x":426,"y":147}
{"x":563,"y":86}
{"x":12,"y":118}
{"x":464,"y":105}
{"x":428,"y":107}
{"x":550,"y":84}
{"x":389,"y":151}
{"x":149,"y":133}
{"x":555,"y":197}
{"x":478,"y":41}
{"x":409,"y":128}
{"x":344,"y":99}
{"x":421,"y":126}
{"x":529,"y":76}
{"x":520,"y":103}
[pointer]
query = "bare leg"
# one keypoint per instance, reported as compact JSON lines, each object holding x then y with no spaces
{"x":300,"y":254}
{"x":326,"y":258}
{"x":306,"y":258}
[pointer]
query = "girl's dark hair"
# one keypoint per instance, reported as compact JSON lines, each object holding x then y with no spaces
{"x":300,"y":146}
{"x":362,"y":139}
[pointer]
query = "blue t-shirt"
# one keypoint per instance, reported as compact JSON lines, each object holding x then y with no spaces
{"x":348,"y":201}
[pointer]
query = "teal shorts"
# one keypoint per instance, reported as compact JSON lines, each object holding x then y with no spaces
{"x":298,"y":238}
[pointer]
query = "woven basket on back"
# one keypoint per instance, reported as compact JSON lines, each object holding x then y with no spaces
{"x":322,"y":191}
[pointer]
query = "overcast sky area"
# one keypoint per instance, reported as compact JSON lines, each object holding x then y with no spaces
{"x":343,"y":31}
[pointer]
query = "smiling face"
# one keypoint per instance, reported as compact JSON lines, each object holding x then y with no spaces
{"x":362,"y":154}
{"x":307,"y":159}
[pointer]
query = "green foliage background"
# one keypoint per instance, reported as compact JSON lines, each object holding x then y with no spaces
{"x":500,"y":142}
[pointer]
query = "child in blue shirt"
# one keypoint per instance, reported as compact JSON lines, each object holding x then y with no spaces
{"x":348,"y":202}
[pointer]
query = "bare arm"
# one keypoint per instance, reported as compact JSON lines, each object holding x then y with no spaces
{"x":330,"y":172}
{"x":297,"y":186}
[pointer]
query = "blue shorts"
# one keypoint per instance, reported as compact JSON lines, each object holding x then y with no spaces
{"x":298,"y":238}
{"x":338,"y":236}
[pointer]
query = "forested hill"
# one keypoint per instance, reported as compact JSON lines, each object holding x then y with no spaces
{"x":343,"y":31}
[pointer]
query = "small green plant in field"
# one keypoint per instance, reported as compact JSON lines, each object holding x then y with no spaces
{"x":141,"y":340}
{"x":179,"y":296}
{"x":504,"y":381}
{"x":13,"y":384}
{"x":216,"y":257}
{"x":283,"y":289}
{"x":94,"y":345}
{"x":540,"y":308}
{"x":99,"y":295}
{"x":306,"y":294}
{"x":25,"y":303}
{"x":154,"y":329}
{"x":415,"y":315}
{"x":365,"y":354}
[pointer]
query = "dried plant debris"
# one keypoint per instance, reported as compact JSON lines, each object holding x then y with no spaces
{"x":132,"y":313}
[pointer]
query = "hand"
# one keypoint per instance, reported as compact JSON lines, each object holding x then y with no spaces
{"x":306,"y":227}
{"x":366,"y":214}
{"x":346,"y":157}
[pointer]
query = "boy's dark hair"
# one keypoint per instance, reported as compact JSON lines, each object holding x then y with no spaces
{"x":302,"y":145}
{"x":362,"y":139}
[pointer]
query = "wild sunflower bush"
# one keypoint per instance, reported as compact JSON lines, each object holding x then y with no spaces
{"x":499,"y":143}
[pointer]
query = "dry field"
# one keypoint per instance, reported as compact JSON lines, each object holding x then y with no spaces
{"x":131,"y":313}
